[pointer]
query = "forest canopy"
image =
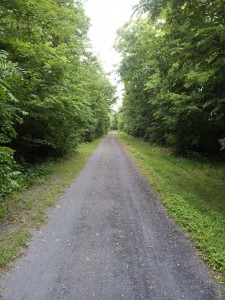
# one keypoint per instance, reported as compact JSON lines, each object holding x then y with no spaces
{"x":173,"y":68}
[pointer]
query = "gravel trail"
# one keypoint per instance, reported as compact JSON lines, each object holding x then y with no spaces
{"x":110,"y":239}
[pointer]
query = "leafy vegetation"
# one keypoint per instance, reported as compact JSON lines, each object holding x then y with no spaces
{"x":192,"y":192}
{"x":54,"y":93}
{"x":114,"y":121}
{"x":173,"y":68}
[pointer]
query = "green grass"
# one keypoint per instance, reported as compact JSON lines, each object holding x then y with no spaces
{"x":11,"y":245}
{"x":192,"y":192}
{"x":27,"y":209}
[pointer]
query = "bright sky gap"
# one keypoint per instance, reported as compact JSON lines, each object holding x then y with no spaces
{"x":106,"y":17}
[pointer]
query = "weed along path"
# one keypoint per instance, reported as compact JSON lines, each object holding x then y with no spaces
{"x":109,"y":238}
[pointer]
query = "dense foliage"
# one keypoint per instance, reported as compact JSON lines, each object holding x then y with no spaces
{"x":53,"y":91}
{"x":173,"y":66}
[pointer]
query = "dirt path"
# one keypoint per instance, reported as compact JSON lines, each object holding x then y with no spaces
{"x":109,"y":239}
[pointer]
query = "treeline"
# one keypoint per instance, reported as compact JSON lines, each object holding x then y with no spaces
{"x":53,"y":91}
{"x":173,"y":68}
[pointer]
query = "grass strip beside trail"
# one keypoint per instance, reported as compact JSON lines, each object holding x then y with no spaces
{"x":27,"y":209}
{"x":192,"y":192}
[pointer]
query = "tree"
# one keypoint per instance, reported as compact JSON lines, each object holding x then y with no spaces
{"x":54,"y":92}
{"x":48,"y":40}
{"x":175,"y":55}
{"x":10,"y":114}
